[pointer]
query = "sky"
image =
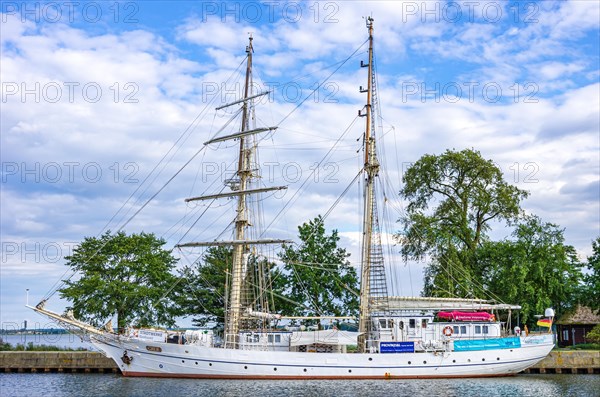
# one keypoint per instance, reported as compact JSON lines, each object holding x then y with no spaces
{"x":103,"y":102}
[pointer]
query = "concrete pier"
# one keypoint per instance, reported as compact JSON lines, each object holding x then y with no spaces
{"x":63,"y":361}
{"x":568,"y":362}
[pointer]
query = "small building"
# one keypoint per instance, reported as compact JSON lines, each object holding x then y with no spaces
{"x":573,"y":327}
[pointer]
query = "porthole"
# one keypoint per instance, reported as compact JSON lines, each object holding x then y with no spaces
{"x":245,"y":367}
{"x":210,"y":364}
{"x":424,"y":362}
{"x":498,"y":358}
{"x":370,"y":358}
{"x":483,"y":359}
{"x":304,"y":369}
{"x":196,"y":362}
{"x":182,"y":361}
{"x":409,"y":362}
{"x":469,"y":360}
{"x":453,"y":361}
{"x":275,"y":369}
{"x":350,"y":371}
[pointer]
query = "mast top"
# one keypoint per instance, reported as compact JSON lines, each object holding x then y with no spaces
{"x":249,"y":47}
{"x":369,"y":22}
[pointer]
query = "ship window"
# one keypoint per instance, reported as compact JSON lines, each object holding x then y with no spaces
{"x":277,"y":338}
{"x":478,"y":329}
{"x":412,"y":323}
{"x":382,"y":323}
{"x":485,"y":329}
{"x":463,"y":329}
{"x":270,"y":338}
{"x":455,"y":329}
{"x":424,"y":323}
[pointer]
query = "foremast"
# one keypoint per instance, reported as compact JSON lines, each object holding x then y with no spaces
{"x":373,"y":286}
{"x":233,"y":318}
{"x":234,"y":310}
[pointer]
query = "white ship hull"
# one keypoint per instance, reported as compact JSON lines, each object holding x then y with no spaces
{"x":192,"y":361}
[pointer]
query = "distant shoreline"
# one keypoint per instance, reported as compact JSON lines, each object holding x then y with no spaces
{"x":36,"y":332}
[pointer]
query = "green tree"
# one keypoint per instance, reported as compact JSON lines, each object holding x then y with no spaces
{"x":537,"y":269}
{"x":591,"y":288}
{"x":204,"y":292}
{"x":126,"y":275}
{"x":452,"y":199}
{"x":319,"y":274}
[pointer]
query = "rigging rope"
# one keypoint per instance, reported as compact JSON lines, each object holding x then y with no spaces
{"x":60,"y":282}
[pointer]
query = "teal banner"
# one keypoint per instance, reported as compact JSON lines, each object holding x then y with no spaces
{"x":486,"y":344}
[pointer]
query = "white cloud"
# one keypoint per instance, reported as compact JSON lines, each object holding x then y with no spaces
{"x":558,"y":134}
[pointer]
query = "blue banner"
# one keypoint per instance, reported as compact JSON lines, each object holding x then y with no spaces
{"x":397,"y":347}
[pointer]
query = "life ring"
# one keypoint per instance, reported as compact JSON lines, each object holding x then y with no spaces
{"x":447,"y":330}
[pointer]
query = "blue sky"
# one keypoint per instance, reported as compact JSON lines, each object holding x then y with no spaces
{"x":94,"y":94}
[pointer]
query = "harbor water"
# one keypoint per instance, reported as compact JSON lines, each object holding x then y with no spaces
{"x":57,"y":384}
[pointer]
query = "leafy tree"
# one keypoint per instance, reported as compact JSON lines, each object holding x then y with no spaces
{"x":453,"y":198}
{"x":447,"y":276}
{"x":126,"y":275}
{"x":536,"y":270}
{"x":203,"y":293}
{"x":591,"y":289}
{"x":319,"y":274}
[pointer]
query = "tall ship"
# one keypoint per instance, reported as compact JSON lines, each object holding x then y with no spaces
{"x":397,"y":337}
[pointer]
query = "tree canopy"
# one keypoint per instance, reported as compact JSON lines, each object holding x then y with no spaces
{"x":204,"y":292}
{"x":203,"y":289}
{"x":452,"y":199}
{"x":124,"y":274}
{"x":536,"y":269}
{"x":591,"y":288}
{"x":319,"y":274}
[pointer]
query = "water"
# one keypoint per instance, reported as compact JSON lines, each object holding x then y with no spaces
{"x":55,"y":384}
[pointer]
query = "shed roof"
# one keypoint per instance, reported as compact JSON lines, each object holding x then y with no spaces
{"x":581,"y":315}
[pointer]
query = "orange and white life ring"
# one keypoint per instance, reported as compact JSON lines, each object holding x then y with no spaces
{"x":447,"y":330}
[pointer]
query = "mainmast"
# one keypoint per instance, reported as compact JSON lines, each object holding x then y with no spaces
{"x":373,"y":287}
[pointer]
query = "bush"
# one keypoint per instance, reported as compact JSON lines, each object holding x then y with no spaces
{"x":594,"y":335}
{"x":585,"y":346}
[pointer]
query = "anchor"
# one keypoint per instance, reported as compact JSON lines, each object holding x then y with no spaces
{"x":126,"y":359}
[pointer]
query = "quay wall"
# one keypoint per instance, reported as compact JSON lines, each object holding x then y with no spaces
{"x":61,"y":361}
{"x":568,"y":362}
